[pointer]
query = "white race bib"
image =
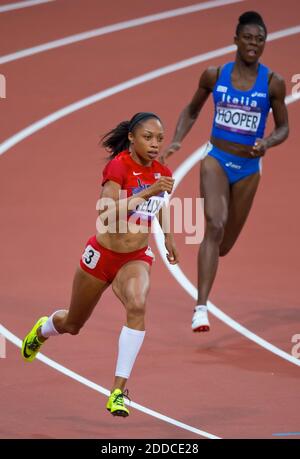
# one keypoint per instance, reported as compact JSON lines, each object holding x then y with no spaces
{"x":238,"y":119}
{"x":90,"y":257}
{"x":151,"y":207}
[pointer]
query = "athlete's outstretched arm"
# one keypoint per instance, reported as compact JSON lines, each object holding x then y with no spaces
{"x":280,"y":115}
{"x":190,"y":113}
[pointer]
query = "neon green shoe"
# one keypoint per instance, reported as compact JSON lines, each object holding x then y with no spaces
{"x":31,"y":345}
{"x":116,"y":403}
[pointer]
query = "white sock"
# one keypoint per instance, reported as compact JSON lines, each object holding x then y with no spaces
{"x":130,"y":343}
{"x":201,"y":307}
{"x":48,"y":328}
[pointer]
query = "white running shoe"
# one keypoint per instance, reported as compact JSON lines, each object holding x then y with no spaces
{"x":200,"y":321}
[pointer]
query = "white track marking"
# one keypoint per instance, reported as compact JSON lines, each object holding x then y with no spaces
{"x":115,"y":28}
{"x":134,"y":82}
{"x":97,"y":97}
{"x":35,"y":127}
{"x":19,"y":5}
{"x":86,"y":382}
{"x":177,"y":273}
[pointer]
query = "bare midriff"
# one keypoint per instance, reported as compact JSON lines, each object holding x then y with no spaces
{"x":233,"y":148}
{"x":125,"y":242}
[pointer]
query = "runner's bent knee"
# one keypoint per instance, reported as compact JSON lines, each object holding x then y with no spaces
{"x":215,"y":228}
{"x":136,"y":304}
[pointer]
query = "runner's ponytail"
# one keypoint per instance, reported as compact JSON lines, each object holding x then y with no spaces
{"x":116,"y":140}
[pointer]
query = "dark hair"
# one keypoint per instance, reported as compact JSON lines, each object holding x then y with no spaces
{"x":250,"y":17}
{"x":117,"y":140}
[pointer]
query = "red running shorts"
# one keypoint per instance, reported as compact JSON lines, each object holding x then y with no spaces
{"x":105,"y":263}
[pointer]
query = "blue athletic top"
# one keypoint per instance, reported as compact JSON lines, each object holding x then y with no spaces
{"x":240,"y":116}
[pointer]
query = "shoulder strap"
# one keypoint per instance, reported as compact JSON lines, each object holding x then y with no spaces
{"x":223,"y":72}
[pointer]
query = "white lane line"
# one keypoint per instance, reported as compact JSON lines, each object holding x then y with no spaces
{"x":86,"y":382}
{"x":19,"y":5}
{"x":6,"y":333}
{"x":116,"y":89}
{"x":115,"y":28}
{"x":35,"y":127}
{"x":181,"y":278}
{"x":6,"y":145}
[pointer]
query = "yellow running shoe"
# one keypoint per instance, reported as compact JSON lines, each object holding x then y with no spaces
{"x":31,"y":344}
{"x":116,"y":403}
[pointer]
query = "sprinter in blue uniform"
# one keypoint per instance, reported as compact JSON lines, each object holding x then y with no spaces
{"x":243,"y":93}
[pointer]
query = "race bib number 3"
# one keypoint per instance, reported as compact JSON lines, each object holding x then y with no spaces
{"x":90,"y":257}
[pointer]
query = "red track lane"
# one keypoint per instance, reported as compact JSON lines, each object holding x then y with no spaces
{"x":219,"y":382}
{"x":59,"y":77}
{"x":61,"y":18}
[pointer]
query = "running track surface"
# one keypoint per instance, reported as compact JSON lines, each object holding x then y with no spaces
{"x":218,"y":382}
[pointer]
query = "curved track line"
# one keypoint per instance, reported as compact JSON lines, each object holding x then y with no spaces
{"x":19,"y":5}
{"x":149,"y":76}
{"x":114,"y":28}
{"x":6,"y":145}
{"x":181,"y":278}
{"x":77,"y":106}
{"x":86,"y":382}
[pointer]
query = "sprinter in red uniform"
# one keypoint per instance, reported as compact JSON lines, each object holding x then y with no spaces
{"x":134,"y":189}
